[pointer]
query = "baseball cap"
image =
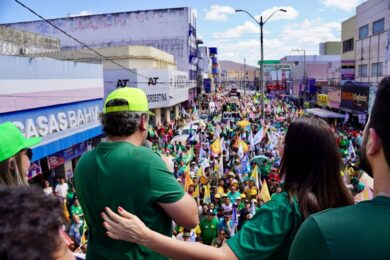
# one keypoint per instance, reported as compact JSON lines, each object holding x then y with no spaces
{"x":135,"y":97}
{"x":12,"y":141}
{"x":186,"y":234}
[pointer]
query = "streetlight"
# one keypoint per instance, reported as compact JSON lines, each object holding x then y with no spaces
{"x":304,"y":73}
{"x":261,"y":24}
{"x":244,"y":72}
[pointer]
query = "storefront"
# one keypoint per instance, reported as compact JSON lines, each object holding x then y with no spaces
{"x":61,"y":104}
{"x":165,"y":89}
{"x":355,"y":100}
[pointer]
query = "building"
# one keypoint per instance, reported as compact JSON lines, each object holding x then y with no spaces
{"x":57,"y":100}
{"x":143,"y":67}
{"x":312,"y":74}
{"x":330,"y":48}
{"x":372,"y":40}
{"x":16,"y":42}
{"x":172,"y":30}
{"x":232,"y":73}
{"x":348,"y":37}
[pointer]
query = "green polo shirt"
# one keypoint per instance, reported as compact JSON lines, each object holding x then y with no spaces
{"x":361,"y":231}
{"x":269,"y":234}
{"x":136,"y":178}
{"x":209,"y":229}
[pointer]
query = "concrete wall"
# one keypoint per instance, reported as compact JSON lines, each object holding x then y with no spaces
{"x":348,"y":31}
{"x":374,"y":48}
{"x":16,"y":42}
{"x":330,"y":48}
{"x":165,"y":29}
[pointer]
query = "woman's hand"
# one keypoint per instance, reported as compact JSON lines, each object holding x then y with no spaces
{"x":125,"y":226}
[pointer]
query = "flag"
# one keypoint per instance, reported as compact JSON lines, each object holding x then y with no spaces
{"x":189,"y":156}
{"x":244,"y":145}
{"x":351,"y":150}
{"x":220,"y":167}
{"x":200,"y":172}
{"x":196,"y":192}
{"x":258,"y":137}
{"x":235,"y":221}
{"x":187,"y":178}
{"x":255,"y":176}
{"x":251,"y":141}
{"x":205,"y":163}
{"x":253,"y":208}
{"x":216,"y":147}
{"x":264,"y":192}
{"x":223,"y":145}
{"x":207,"y":194}
{"x":240,"y":152}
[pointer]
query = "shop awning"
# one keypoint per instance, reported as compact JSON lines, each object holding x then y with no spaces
{"x":324,"y":113}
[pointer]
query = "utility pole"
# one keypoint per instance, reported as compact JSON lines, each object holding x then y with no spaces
{"x":304,"y":81}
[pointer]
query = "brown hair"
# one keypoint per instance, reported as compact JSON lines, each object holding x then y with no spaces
{"x":311,"y":167}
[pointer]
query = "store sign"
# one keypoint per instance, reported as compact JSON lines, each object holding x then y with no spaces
{"x":61,"y":157}
{"x":334,"y":99}
{"x":355,"y":96}
{"x":47,"y":121}
{"x":322,"y":100}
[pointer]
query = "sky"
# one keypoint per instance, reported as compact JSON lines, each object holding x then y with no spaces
{"x":305,"y":24}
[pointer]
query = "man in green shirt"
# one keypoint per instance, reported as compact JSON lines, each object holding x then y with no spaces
{"x":209,"y":227}
{"x":122,"y":173}
{"x":361,"y":231}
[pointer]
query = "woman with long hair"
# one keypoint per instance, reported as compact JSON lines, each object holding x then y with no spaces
{"x":310,"y":168}
{"x":15,"y":155}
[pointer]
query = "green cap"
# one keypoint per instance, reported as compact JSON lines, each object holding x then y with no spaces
{"x":135,"y":97}
{"x":12,"y":141}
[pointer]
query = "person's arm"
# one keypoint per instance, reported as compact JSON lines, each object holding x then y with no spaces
{"x":129,"y":227}
{"x":171,"y":197}
{"x":184,"y":212}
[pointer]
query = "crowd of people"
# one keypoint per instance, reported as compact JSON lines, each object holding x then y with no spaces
{"x":237,"y":184}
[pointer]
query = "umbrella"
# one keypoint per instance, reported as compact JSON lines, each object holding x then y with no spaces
{"x":243,"y":123}
{"x":259,"y":159}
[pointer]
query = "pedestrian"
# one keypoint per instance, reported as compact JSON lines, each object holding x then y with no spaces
{"x":311,"y":169}
{"x":15,"y":155}
{"x":361,"y":231}
{"x":122,"y":172}
{"x":62,"y":188}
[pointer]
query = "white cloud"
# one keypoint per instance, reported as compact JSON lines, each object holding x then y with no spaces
{"x":247,"y":27}
{"x":82,"y":13}
{"x":307,"y":35}
{"x":346,"y":5}
{"x":291,"y":13}
{"x":218,"y":13}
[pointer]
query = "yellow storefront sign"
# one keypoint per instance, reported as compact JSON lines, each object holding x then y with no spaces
{"x":322,"y":100}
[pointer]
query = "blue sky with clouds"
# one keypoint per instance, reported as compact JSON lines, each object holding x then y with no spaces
{"x":305,"y":25}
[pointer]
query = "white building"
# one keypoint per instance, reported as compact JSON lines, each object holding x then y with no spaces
{"x":172,"y":30}
{"x":372,"y":42}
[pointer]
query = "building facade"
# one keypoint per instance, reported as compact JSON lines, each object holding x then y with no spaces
{"x":57,"y":100}
{"x":16,"y":42}
{"x":330,"y":48}
{"x":172,"y":30}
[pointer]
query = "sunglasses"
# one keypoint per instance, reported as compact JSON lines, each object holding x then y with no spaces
{"x":29,"y":153}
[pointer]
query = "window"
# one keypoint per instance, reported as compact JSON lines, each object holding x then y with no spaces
{"x":348,"y":45}
{"x":362,"y":70}
{"x":377,"y":69}
{"x":378,"y":26}
{"x":363,"y":31}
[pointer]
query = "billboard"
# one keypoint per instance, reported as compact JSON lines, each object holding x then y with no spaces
{"x":355,"y":96}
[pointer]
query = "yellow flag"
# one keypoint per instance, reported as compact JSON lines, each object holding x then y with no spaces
{"x":200,"y":172}
{"x":244,"y":145}
{"x":216,"y":146}
{"x":196,"y":192}
{"x":255,"y":176}
{"x":264,"y":192}
{"x":207,"y":195}
{"x":187,"y":178}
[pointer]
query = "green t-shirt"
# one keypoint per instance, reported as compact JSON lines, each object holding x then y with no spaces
{"x":269,"y":234}
{"x":76,"y":210}
{"x":361,"y":231}
{"x":135,"y":178}
{"x":209,"y":229}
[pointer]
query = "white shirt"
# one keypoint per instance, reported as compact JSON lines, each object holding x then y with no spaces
{"x":62,"y":190}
